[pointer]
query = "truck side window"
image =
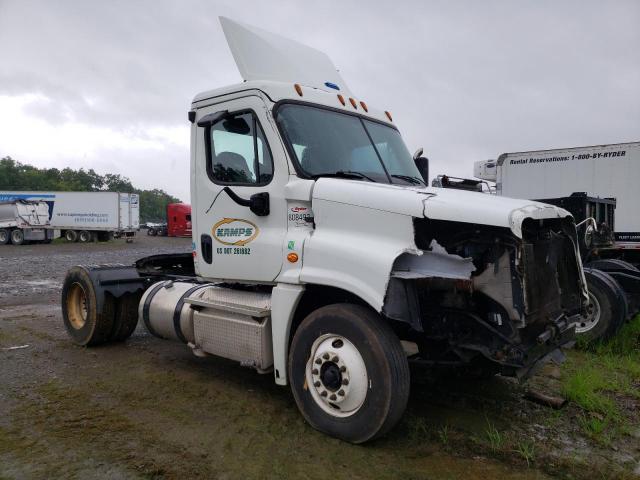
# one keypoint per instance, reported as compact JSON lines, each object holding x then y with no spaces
{"x":239,"y":151}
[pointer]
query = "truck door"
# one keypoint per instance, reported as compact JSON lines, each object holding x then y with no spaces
{"x":238,"y":149}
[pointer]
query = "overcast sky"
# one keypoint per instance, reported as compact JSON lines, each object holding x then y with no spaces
{"x":107,"y":84}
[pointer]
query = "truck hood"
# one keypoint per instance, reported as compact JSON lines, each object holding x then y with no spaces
{"x":436,"y":203}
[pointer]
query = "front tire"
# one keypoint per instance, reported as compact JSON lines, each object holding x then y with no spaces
{"x":349,"y":374}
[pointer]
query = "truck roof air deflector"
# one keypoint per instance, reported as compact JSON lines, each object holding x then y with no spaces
{"x":262,"y":55}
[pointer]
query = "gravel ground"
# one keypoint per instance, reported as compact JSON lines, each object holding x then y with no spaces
{"x":31,"y":273}
{"x":147,"y":408}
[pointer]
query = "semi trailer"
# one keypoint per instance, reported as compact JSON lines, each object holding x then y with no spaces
{"x":321,"y":257}
{"x":24,"y":221}
{"x":80,"y":216}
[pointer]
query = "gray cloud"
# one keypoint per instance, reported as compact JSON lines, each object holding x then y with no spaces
{"x":467,"y":80}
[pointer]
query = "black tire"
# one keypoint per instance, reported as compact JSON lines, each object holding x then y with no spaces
{"x":71,"y":236}
{"x":83,"y":322}
{"x":152,"y":232}
{"x":126,"y":318}
{"x":84,"y":236}
{"x":385,"y":364}
{"x":17,"y":236}
{"x":5,"y":236}
{"x":607,"y":302}
{"x":612,"y":264}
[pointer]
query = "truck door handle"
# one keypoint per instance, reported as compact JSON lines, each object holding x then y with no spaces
{"x":258,"y":203}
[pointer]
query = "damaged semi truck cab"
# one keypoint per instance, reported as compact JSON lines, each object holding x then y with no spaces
{"x":321,"y":256}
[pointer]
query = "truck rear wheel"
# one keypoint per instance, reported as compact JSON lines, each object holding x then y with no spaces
{"x":71,"y":236}
{"x":349,"y":374}
{"x":4,"y":236}
{"x":83,"y":322}
{"x":607,"y":307}
{"x":84,"y":236}
{"x":17,"y":236}
{"x":126,"y":317}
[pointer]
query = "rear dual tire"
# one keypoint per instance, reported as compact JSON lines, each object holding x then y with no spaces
{"x":349,"y":373}
{"x":5,"y":236}
{"x":87,"y":326}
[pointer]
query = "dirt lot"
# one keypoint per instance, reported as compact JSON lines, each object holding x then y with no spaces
{"x":148,"y":408}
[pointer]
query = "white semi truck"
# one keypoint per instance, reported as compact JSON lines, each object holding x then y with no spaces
{"x":77,"y":216}
{"x":321,"y":257}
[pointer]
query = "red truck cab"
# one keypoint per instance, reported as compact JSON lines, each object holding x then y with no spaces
{"x":179,"y":220}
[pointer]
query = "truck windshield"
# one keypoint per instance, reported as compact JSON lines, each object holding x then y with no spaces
{"x":329,"y":143}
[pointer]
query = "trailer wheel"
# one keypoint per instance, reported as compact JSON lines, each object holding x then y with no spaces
{"x":126,"y":318}
{"x":17,"y":236}
{"x":349,"y":374}
{"x":607,"y":307}
{"x":83,"y":322}
{"x":4,"y":236}
{"x":152,"y":232}
{"x":71,"y":236}
{"x":84,"y":236}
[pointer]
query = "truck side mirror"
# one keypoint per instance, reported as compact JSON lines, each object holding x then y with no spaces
{"x":258,"y":203}
{"x":423,"y":167}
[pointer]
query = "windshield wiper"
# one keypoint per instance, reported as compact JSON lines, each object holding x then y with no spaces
{"x":343,"y":174}
{"x":410,"y":179}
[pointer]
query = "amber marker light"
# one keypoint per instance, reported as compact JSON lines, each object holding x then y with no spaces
{"x":341,"y":98}
{"x":292,"y":257}
{"x":353,"y":103}
{"x":364,"y":106}
{"x":298,"y":88}
{"x":388,"y":116}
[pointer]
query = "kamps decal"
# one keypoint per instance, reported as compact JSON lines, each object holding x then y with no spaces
{"x":234,"y":231}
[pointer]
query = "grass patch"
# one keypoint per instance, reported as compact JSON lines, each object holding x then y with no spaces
{"x":526,"y":451}
{"x":494,"y":437}
{"x":598,"y":374}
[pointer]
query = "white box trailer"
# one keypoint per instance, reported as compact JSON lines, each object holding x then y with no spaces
{"x":605,"y":171}
{"x":85,"y":216}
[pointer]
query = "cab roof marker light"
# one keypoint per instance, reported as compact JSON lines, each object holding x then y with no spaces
{"x":364,"y":106}
{"x":332,"y":85}
{"x":353,"y":103}
{"x":298,"y":88}
{"x":388,"y":116}
{"x":341,"y":98}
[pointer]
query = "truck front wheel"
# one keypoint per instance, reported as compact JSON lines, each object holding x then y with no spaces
{"x":83,"y":322}
{"x":17,"y":236}
{"x":4,"y":236}
{"x":349,"y":374}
